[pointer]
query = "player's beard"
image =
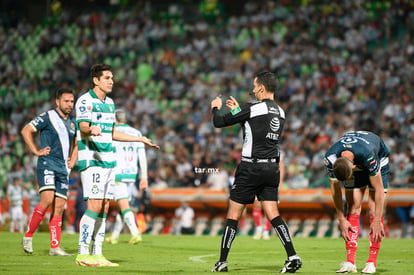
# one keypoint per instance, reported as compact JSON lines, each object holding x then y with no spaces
{"x":65,"y":111}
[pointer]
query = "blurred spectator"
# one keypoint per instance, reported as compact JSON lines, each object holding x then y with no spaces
{"x":185,"y":214}
{"x":15,"y":198}
{"x":402,"y":175}
{"x":338,"y":71}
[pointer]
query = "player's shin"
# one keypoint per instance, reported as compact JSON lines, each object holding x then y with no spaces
{"x":55,"y":228}
{"x":282,"y":231}
{"x":229,"y":234}
{"x":351,"y":245}
{"x":99,"y":234}
{"x":86,"y":229}
{"x":257,"y":216}
{"x":129,"y":219}
{"x":37,"y":217}
{"x":373,"y":247}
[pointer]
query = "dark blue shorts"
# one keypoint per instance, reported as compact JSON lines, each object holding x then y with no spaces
{"x":361,"y":179}
{"x":53,"y":180}
{"x":252,"y":180}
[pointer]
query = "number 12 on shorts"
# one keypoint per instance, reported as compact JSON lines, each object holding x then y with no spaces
{"x":96,"y":178}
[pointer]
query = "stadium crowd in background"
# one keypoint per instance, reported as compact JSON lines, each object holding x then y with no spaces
{"x":342,"y":66}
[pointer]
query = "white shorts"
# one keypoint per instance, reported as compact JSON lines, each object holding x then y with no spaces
{"x":16,"y":212}
{"x":125,"y":190}
{"x":98,"y":183}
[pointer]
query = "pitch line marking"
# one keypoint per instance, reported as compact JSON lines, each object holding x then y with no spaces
{"x":199,"y":258}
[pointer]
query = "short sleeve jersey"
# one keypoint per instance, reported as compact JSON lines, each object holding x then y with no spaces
{"x":367,"y":147}
{"x":58,"y":134}
{"x":95,"y":151}
{"x":126,"y":154}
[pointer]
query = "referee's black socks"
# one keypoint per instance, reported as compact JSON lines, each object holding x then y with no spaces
{"x":282,"y":231}
{"x":229,"y":234}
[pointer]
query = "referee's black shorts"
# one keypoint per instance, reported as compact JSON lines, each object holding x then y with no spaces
{"x":252,"y":180}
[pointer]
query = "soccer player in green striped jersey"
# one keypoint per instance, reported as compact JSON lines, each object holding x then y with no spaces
{"x":131,"y":161}
{"x":95,"y":119}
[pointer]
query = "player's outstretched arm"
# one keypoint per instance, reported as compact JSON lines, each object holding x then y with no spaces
{"x":120,"y":136}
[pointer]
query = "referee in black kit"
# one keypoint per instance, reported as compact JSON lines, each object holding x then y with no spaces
{"x":258,"y":172}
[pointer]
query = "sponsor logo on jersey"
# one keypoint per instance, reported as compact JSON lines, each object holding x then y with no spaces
{"x":272,"y":136}
{"x":49,"y":180}
{"x":47,"y":172}
{"x":349,"y":140}
{"x":38,"y":120}
{"x":274,"y":110}
{"x":275,"y":124}
{"x":82,"y":109}
{"x":105,"y":127}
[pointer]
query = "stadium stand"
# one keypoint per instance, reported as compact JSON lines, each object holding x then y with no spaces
{"x":341,"y":66}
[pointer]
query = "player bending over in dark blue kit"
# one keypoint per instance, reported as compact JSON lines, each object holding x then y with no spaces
{"x":356,"y":161}
{"x":258,"y":173}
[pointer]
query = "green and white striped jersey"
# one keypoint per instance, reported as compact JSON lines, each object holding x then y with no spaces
{"x":95,"y":150}
{"x":15,"y":194}
{"x":127,"y":155}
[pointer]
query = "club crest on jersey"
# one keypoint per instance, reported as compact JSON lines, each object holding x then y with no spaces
{"x":95,"y":189}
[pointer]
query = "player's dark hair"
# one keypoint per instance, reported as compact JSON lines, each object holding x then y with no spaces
{"x":267,"y":79}
{"x":97,"y":70}
{"x":342,"y":168}
{"x":62,"y":91}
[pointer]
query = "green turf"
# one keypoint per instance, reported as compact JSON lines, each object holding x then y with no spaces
{"x":166,"y":254}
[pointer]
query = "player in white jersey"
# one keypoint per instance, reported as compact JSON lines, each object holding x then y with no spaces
{"x":95,"y":118}
{"x":15,"y":198}
{"x":128,"y":155}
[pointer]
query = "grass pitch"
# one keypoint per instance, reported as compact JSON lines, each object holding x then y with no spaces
{"x":167,"y":254}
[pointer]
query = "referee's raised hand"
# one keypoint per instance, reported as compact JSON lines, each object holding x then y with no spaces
{"x":216,"y":103}
{"x":232,"y":103}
